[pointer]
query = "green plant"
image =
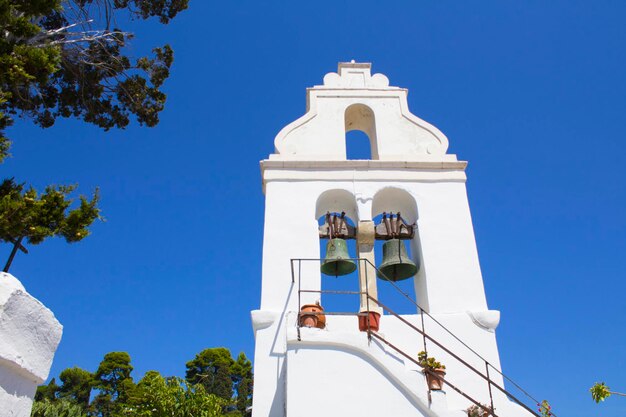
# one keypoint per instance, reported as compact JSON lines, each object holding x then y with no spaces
{"x":544,"y":409}
{"x":57,"y":408}
{"x":428,"y":362}
{"x":479,"y":410}
{"x":600,"y":392}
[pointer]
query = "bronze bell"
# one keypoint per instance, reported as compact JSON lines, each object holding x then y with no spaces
{"x":337,"y":261}
{"x":396,"y":264}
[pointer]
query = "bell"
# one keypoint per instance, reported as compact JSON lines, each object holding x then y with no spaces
{"x":396,"y":264}
{"x":337,"y":261}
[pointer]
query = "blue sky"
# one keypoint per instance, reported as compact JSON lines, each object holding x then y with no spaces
{"x":532,"y":94}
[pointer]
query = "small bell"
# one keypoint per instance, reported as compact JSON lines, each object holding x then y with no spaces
{"x":396,"y":264}
{"x":337,"y":261}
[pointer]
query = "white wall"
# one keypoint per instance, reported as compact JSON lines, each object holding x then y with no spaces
{"x":335,"y":371}
{"x":29,"y":336}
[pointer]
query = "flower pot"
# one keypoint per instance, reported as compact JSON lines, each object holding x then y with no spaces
{"x":374,"y":321}
{"x":435,"y":382}
{"x":308,"y":312}
{"x":477,"y":411}
{"x":308,"y":320}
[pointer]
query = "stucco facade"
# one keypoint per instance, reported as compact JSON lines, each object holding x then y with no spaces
{"x":302,"y":372}
{"x":29,"y":336}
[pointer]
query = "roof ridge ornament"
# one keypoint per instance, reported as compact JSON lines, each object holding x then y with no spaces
{"x":355,"y":75}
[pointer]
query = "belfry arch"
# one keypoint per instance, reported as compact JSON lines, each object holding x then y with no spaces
{"x":361,"y":117}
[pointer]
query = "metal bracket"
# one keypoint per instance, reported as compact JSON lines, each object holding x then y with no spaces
{"x":336,"y":226}
{"x":393,"y":226}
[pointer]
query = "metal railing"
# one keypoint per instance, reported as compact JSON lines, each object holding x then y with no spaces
{"x":425,"y":336}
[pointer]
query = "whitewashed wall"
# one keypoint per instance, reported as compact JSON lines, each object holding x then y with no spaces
{"x":333,"y":372}
{"x":29,"y":336}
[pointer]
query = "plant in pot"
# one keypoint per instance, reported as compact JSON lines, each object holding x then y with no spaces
{"x":479,"y":410}
{"x":545,"y":409}
{"x":434,"y":371}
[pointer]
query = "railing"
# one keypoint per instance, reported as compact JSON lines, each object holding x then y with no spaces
{"x":425,"y":336}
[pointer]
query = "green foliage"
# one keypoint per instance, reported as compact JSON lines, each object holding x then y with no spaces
{"x":26,"y":214}
{"x":111,"y":392}
{"x":545,"y":409}
{"x":63,"y":59}
{"x":77,"y":384}
{"x":57,"y":408}
{"x":600,"y":392}
{"x":212,"y":369}
{"x":115,"y":385}
{"x":220,"y":375}
{"x":47,"y":392}
{"x":428,"y":362}
{"x":156,"y":396}
{"x":241,"y":374}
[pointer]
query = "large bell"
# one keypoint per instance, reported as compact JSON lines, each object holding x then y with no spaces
{"x":337,"y":261}
{"x":396,"y":264}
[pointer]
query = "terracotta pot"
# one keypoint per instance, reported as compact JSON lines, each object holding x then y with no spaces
{"x":435,"y":383}
{"x":308,"y":320}
{"x":316,"y":311}
{"x":374,"y":321}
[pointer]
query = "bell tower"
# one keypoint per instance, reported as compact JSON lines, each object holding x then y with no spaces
{"x":412,"y":195}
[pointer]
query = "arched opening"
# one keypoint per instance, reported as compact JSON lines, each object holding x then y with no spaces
{"x":394,"y":200}
{"x":360,"y":123}
{"x":358,"y":145}
{"x":335,"y":202}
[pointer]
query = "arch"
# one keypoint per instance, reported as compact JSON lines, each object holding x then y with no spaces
{"x":361,"y":117}
{"x":337,"y":200}
{"x":392,"y":199}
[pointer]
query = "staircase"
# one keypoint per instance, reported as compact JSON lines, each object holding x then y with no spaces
{"x":472,"y":378}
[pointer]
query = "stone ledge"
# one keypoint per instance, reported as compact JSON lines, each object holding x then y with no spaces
{"x":29,"y":332}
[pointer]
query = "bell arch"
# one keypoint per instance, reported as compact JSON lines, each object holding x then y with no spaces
{"x":360,"y":117}
{"x":394,"y":199}
{"x":336,"y":201}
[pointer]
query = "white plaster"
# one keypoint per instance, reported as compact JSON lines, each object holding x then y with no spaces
{"x":29,"y":336}
{"x":320,"y":133}
{"x":335,"y":371}
{"x":488,"y":320}
{"x":263,"y":319}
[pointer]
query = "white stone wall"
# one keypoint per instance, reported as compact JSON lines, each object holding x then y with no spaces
{"x":29,"y":336}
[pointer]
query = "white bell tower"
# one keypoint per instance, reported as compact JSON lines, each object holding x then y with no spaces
{"x":341,"y":370}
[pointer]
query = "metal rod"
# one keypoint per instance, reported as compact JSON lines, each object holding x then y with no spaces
{"x":334,"y":292}
{"x":16,"y":246}
{"x":367,"y":295}
{"x":423,"y":330}
{"x":425,"y":336}
{"x":299,"y":297}
{"x":489,"y":384}
{"x":455,"y":356}
{"x":377,"y":336}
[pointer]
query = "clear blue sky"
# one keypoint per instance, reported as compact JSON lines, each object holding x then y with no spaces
{"x":532,"y":94}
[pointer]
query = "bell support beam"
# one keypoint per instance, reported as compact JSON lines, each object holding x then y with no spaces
{"x":365,"y":238}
